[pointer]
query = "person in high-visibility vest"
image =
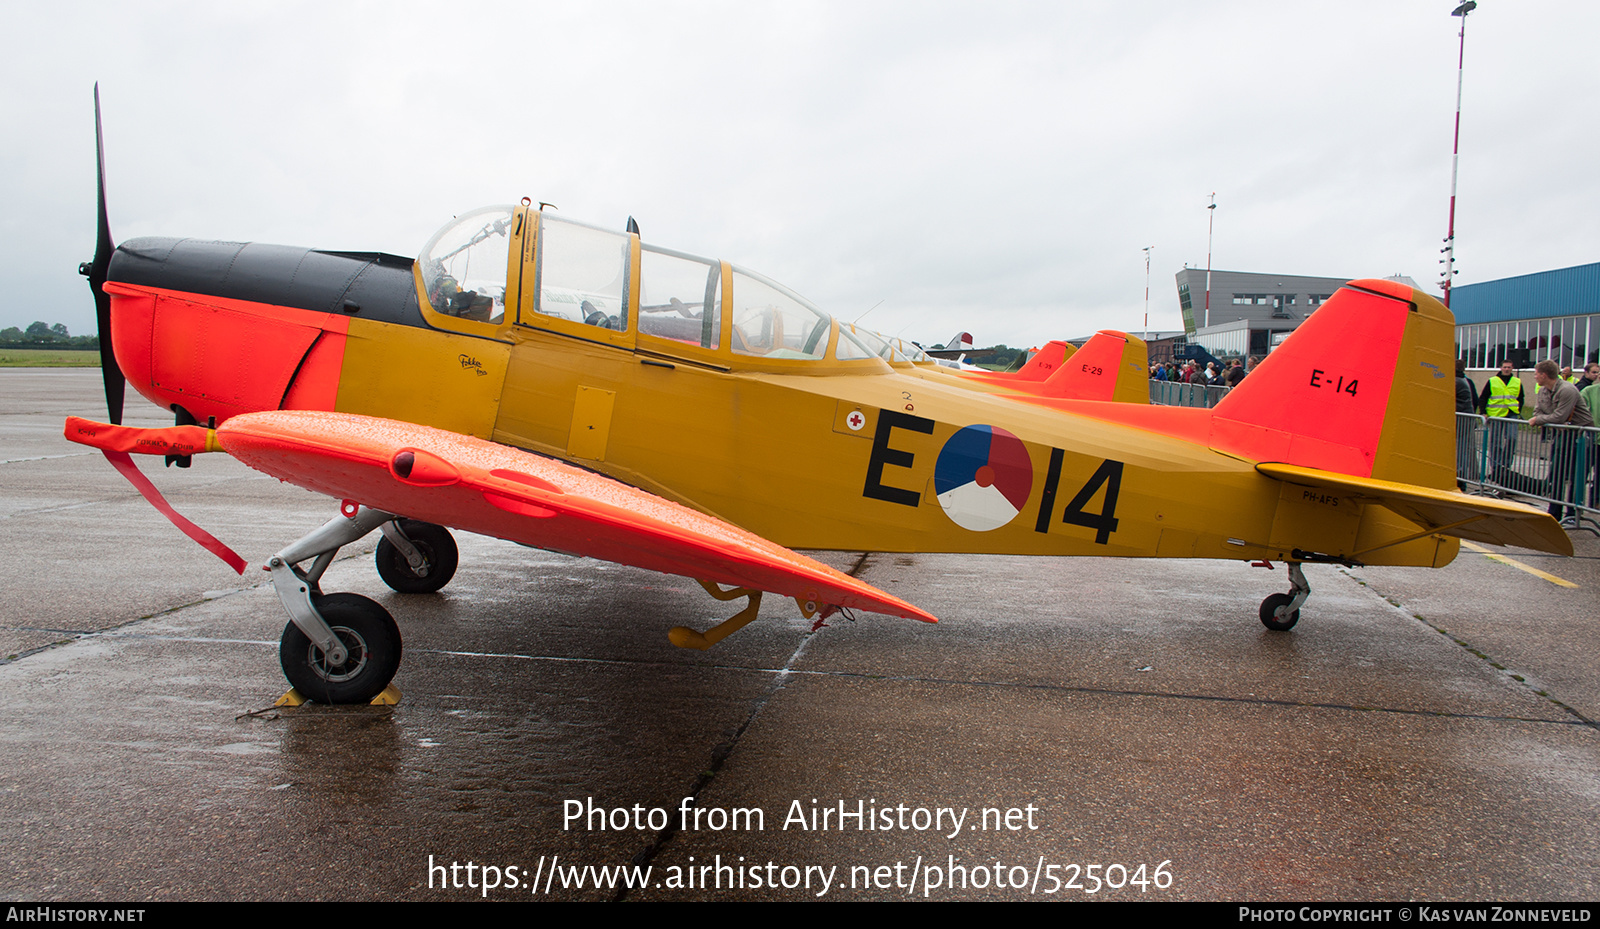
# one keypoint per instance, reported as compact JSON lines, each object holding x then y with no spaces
{"x":1501,"y":401}
{"x":1502,"y":394}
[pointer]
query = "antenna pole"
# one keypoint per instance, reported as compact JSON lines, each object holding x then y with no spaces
{"x":1455,"y":155}
{"x":1147,"y":251}
{"x":1210,"y":223}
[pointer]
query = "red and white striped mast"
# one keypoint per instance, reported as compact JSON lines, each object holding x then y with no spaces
{"x":1147,"y":251}
{"x":1210,"y":225}
{"x":1455,"y":155}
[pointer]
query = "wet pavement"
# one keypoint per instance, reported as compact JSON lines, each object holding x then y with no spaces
{"x":1421,"y":734}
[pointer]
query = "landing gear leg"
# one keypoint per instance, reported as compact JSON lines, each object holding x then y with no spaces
{"x":342,"y":648}
{"x":684,"y":637}
{"x":415,"y":557}
{"x":1280,"y":612}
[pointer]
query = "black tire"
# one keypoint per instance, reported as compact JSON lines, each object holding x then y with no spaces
{"x":436,"y":545}
{"x":370,"y":635}
{"x":1269,"y":608}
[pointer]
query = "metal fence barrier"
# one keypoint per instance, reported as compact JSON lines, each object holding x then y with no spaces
{"x":1173,"y":393}
{"x":1558,"y":465}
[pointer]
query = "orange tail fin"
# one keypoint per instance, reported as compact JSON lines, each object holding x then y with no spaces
{"x":1363,"y":387}
{"x":1046,"y":361}
{"x":1110,"y":366}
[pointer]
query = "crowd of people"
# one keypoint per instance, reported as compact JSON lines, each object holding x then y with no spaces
{"x":1560,"y":398}
{"x":1211,"y":375}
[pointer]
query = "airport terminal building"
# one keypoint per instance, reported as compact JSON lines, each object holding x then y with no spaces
{"x":1250,"y":313}
{"x":1551,"y":314}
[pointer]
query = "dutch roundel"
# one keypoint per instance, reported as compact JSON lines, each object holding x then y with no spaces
{"x":983,"y":477}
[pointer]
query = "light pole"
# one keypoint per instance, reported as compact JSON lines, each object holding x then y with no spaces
{"x":1147,"y":251}
{"x":1455,"y":155}
{"x":1210,"y":223}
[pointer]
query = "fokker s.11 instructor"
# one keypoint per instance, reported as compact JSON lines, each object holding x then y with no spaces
{"x":573,"y":388}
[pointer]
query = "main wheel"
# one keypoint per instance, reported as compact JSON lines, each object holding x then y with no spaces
{"x":436,"y":545}
{"x":1269,"y":609}
{"x":369,"y":635}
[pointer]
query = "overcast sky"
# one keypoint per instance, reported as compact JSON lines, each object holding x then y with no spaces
{"x":996,"y":168}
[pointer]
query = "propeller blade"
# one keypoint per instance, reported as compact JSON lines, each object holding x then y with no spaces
{"x":96,"y":270}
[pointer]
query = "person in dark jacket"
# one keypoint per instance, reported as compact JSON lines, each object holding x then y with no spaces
{"x":1558,"y":404}
{"x":1466,"y":391}
{"x":1466,"y":428}
{"x":1591,"y":376}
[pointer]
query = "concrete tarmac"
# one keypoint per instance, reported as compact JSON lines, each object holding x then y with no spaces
{"x":1420,"y":735}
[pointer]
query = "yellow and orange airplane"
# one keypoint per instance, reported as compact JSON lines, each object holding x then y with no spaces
{"x":573,"y":388}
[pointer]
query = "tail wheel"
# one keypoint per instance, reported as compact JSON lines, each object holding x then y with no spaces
{"x":368,"y":633}
{"x":1269,"y":611}
{"x":437,"y":546}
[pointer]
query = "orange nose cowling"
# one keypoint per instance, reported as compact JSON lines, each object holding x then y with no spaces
{"x":217,"y":357}
{"x":221,"y":328}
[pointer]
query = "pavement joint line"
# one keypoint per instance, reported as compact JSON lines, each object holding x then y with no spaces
{"x":27,"y":652}
{"x":115,"y":631}
{"x":44,"y":458}
{"x":145,"y":636}
{"x":46,"y":510}
{"x":1507,"y":560}
{"x":781,"y":674}
{"x":1213,"y":698}
{"x":1516,"y":678}
{"x":130,"y":494}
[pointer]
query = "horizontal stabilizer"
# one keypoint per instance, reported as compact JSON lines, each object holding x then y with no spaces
{"x":1447,"y":512}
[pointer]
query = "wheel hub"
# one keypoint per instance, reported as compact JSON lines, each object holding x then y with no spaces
{"x":354,"y":644}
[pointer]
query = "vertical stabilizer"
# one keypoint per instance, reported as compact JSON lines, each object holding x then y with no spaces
{"x":1363,"y":387}
{"x":1046,"y":361}
{"x":1110,"y":366}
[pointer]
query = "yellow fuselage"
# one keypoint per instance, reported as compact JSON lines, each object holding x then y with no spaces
{"x":775,"y":452}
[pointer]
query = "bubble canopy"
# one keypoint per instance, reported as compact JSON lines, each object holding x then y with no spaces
{"x":581,"y":279}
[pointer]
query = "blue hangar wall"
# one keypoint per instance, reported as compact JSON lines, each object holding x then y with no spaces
{"x":1552,"y":314}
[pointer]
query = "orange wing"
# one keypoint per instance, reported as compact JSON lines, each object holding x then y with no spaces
{"x":492,"y":489}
